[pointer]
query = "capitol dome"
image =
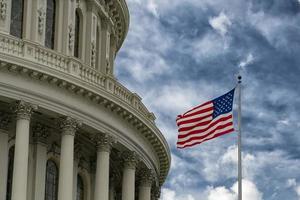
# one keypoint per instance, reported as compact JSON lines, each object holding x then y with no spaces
{"x":68,"y":129}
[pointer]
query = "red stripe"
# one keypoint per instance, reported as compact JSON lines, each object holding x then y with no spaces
{"x":193,"y":120}
{"x":207,"y":134}
{"x":217,"y":135}
{"x":204,"y":104}
{"x":198,"y":112}
{"x":191,"y":127}
{"x":205,"y":129}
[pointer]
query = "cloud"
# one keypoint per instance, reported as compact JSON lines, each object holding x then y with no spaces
{"x":221,"y":23}
{"x":247,"y":61}
{"x":292,"y":183}
{"x":168,"y":194}
{"x":250,"y":192}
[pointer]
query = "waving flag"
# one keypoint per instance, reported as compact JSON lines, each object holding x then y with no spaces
{"x":206,"y":121}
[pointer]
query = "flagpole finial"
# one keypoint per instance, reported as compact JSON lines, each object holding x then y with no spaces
{"x":239,"y":79}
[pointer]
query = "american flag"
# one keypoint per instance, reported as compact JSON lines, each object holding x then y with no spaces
{"x":205,"y":122}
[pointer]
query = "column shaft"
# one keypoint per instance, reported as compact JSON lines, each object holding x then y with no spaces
{"x":145,"y":193}
{"x":128,"y":184}
{"x":65,"y":185}
{"x":102,"y":176}
{"x":40,"y":171}
{"x":3,"y":163}
{"x":19,"y":185}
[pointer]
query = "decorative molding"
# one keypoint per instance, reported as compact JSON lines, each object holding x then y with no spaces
{"x":155,"y":192}
{"x":69,"y":125}
{"x":23,"y":109}
{"x":130,"y":159}
{"x":40,"y":133}
{"x":41,"y":20}
{"x":3,"y":9}
{"x":5,"y":120}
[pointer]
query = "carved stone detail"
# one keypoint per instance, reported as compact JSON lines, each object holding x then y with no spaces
{"x":69,"y":125}
{"x":71,"y":36}
{"x":40,"y":133}
{"x":146,"y":177}
{"x":41,"y":20}
{"x":3,"y":9}
{"x":5,"y":119}
{"x":130,"y":159}
{"x":93,"y":56}
{"x":24,"y":110}
{"x":155,"y":193}
{"x":103,"y":142}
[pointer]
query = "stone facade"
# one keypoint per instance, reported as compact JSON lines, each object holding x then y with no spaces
{"x":68,"y":129}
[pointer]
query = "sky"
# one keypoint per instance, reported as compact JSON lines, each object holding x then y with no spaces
{"x":181,"y":53}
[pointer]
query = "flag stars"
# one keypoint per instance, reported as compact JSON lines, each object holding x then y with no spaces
{"x":223,"y":104}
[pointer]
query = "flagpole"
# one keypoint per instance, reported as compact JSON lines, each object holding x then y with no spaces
{"x":239,"y":138}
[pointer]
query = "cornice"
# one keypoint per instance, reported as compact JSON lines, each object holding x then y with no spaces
{"x":69,"y":74}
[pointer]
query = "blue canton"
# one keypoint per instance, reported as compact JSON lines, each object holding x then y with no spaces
{"x":223,"y":104}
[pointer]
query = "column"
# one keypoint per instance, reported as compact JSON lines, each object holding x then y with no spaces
{"x":91,"y":35}
{"x":68,"y":128}
{"x":105,"y":46}
{"x":128,"y":182}
{"x":40,"y":135}
{"x":155,"y":193}
{"x":4,"y":122}
{"x":145,"y":184}
{"x":103,"y":142}
{"x":5,"y":10}
{"x":112,"y":189}
{"x":23,"y":111}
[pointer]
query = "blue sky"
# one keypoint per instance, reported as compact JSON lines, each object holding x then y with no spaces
{"x":180,"y":53}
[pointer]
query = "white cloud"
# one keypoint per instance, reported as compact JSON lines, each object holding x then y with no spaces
{"x":168,"y":194}
{"x":250,"y":192}
{"x":247,"y":61}
{"x":292,"y":183}
{"x":220,"y":23}
{"x":152,"y":7}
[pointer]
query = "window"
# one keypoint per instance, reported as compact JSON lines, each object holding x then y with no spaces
{"x":51,"y":181}
{"x":50,"y":24}
{"x":16,"y":23}
{"x":80,"y":189}
{"x":10,"y":172}
{"x":77,"y":33}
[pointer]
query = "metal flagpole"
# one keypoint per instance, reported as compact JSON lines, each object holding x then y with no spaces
{"x":239,"y":139}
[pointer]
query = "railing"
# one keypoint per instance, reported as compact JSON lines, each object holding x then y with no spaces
{"x":69,"y":65}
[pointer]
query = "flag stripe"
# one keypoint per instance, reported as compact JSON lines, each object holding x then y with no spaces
{"x":194,"y":118}
{"x":199,"y":142}
{"x":198,"y":108}
{"x":196,"y":113}
{"x":206,"y":134}
{"x":189,"y":126}
{"x":220,"y":120}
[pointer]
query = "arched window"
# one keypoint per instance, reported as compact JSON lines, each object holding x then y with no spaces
{"x":10,"y":172}
{"x":51,"y":181}
{"x":80,"y":189}
{"x":98,"y":48}
{"x":16,"y":23}
{"x":77,"y":34}
{"x":50,"y":24}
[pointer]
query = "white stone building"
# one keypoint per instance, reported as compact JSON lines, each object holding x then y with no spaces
{"x":68,"y":129}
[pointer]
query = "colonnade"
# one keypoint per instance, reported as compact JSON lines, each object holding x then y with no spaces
{"x":68,"y":127}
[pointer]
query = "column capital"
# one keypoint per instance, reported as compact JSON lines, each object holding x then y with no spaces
{"x":5,"y":119}
{"x":23,"y":109}
{"x":103,"y":142}
{"x":69,"y":125}
{"x":130,"y":159}
{"x":155,"y":192}
{"x":146,"y":177}
{"x":40,"y":133}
